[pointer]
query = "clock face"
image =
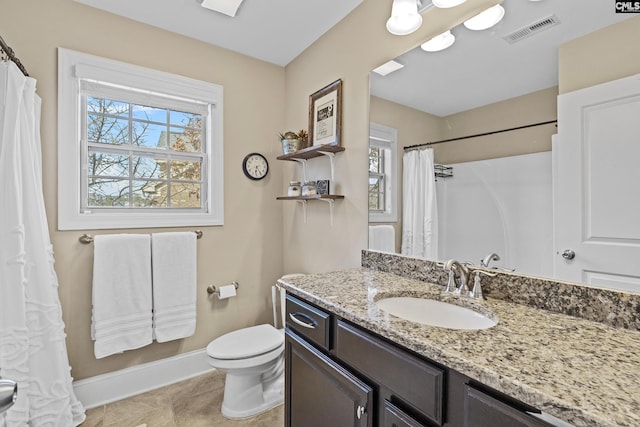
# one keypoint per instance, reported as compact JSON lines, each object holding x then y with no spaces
{"x":255,"y":166}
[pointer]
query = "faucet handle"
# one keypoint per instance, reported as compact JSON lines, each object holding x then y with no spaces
{"x":451,"y":282}
{"x":508,"y":270}
{"x":476,"y":292}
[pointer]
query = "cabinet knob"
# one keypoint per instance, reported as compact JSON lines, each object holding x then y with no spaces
{"x":360,"y":411}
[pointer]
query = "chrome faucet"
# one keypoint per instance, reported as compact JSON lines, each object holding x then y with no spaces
{"x":491,"y":257}
{"x":8,"y":394}
{"x":462,"y":271}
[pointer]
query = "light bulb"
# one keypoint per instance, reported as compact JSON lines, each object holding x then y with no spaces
{"x":439,"y":42}
{"x":444,"y":4}
{"x":405,"y":18}
{"x":486,"y":19}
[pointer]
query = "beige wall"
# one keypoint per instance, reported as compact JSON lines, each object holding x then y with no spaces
{"x":248,"y":248}
{"x":349,"y":51}
{"x":608,"y":54}
{"x":528,"y":109}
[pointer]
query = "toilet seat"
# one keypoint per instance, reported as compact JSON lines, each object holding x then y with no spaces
{"x":246,"y":343}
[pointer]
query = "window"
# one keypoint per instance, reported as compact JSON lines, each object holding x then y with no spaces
{"x":137,"y":147}
{"x":383,"y":172}
{"x":376,"y":179}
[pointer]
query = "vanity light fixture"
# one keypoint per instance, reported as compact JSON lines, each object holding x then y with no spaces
{"x":445,"y":4}
{"x":439,"y":42}
{"x":486,"y":19}
{"x":388,"y":68}
{"x":227,"y":7}
{"x":405,"y":18}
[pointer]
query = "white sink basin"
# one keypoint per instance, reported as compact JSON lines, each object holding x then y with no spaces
{"x":435,"y":313}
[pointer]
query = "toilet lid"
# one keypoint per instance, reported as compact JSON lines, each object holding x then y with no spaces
{"x":247,"y":342}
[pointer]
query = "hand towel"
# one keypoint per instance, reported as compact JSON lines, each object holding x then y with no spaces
{"x":382,"y":238}
{"x":121,"y":296}
{"x":173,"y":259}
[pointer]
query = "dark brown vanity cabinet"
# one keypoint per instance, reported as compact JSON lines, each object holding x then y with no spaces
{"x":319,"y":392}
{"x":483,"y":410}
{"x":412,"y":389}
{"x":338,"y":374}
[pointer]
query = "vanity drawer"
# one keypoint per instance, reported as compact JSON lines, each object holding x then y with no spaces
{"x":309,"y":321}
{"x":411,"y":379}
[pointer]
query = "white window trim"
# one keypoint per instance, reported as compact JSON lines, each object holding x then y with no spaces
{"x":387,"y":137}
{"x":75,"y":65}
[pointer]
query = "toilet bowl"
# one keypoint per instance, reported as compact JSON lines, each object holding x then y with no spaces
{"x":253,"y":359}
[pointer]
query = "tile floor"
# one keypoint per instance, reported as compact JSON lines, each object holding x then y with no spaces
{"x":191,"y":403}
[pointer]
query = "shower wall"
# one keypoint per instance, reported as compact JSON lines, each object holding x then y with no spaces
{"x":501,"y":205}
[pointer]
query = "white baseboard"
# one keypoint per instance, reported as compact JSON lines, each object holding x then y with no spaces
{"x":113,"y":386}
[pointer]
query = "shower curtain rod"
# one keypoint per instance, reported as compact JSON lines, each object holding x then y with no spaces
{"x":4,"y":47}
{"x":427,"y":144}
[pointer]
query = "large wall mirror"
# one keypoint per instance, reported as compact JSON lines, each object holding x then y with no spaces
{"x":492,"y":98}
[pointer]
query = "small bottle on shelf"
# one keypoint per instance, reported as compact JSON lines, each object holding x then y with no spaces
{"x":294,"y":189}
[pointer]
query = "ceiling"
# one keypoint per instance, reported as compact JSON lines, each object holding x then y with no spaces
{"x":274,"y":31}
{"x":481,"y":68}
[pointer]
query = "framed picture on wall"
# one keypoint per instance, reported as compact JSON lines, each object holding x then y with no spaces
{"x":325,"y":111}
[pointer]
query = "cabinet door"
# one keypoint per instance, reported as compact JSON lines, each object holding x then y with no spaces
{"x":396,"y":417}
{"x":321,"y":393}
{"x":482,"y":410}
{"x":408,"y":378}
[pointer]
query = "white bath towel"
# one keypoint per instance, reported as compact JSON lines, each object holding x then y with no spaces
{"x":121,"y":317}
{"x":174,"y":285}
{"x":382,"y":238}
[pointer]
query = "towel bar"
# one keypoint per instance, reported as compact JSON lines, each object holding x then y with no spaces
{"x":213,"y":290}
{"x":88,"y":238}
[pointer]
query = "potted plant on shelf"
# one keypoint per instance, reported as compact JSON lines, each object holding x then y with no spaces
{"x":292,"y":142}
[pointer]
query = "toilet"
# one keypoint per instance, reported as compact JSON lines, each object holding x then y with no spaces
{"x":253,"y":360}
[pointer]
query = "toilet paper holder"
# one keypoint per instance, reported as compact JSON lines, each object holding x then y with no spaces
{"x":213,"y":290}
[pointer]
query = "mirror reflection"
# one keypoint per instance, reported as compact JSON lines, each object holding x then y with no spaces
{"x":482,"y":191}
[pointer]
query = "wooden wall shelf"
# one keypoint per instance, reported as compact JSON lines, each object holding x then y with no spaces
{"x":311,"y":152}
{"x":316,"y":197}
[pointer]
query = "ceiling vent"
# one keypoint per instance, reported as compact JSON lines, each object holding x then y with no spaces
{"x":531,"y":29}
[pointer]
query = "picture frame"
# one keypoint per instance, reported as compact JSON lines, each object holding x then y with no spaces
{"x":325,"y":115}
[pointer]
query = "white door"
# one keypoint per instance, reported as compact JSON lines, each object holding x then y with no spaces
{"x":597,"y":186}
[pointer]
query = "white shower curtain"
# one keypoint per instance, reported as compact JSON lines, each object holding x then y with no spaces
{"x":419,"y":208}
{"x":32,"y":338}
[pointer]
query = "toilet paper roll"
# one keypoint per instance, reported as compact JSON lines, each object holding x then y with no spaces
{"x":226,"y":291}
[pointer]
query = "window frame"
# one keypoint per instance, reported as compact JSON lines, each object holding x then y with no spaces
{"x":380,"y":177}
{"x":387,"y":138}
{"x":142,"y":83}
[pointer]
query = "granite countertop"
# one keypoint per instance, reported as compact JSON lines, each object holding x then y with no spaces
{"x":580,"y":371}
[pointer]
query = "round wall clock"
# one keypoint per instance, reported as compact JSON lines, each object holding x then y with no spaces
{"x":255,"y":166}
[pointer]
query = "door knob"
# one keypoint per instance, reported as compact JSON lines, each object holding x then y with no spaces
{"x":568,"y":254}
